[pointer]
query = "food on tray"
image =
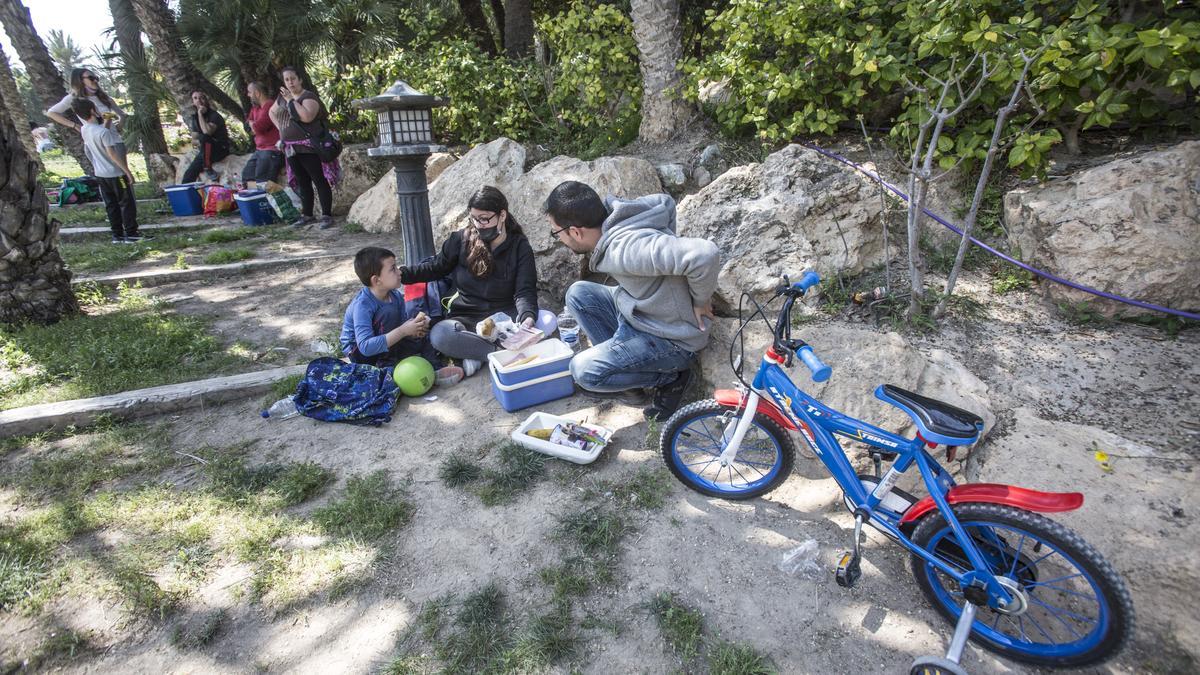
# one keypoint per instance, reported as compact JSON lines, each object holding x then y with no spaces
{"x":543,"y":434}
{"x":520,"y":338}
{"x":487,"y":329}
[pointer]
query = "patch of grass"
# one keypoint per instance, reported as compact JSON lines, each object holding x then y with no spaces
{"x":1168,"y":323}
{"x":520,"y":469}
{"x":129,"y":343}
{"x":458,"y":471}
{"x":410,"y":664}
{"x":23,"y":566}
{"x":571,"y":578}
{"x":224,"y":236}
{"x":142,"y":593}
{"x":939,"y":258}
{"x":548,"y":639}
{"x":353,"y":228}
{"x":645,"y":488}
{"x":1009,"y":278}
{"x":62,"y":643}
{"x":109,"y":453}
{"x":268,"y":486}
{"x":228,"y":256}
{"x":681,"y":626}
{"x":180,"y":262}
{"x":727,"y":658}
{"x":595,"y":531}
{"x":482,"y":634}
{"x":202,"y":632}
{"x":370,"y":508}
{"x":1082,"y":313}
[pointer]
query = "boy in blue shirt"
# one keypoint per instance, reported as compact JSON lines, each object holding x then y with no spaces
{"x":376,"y":330}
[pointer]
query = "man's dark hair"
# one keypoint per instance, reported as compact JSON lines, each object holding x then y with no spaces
{"x":573,"y":204}
{"x":83,"y":108}
{"x":369,"y":263}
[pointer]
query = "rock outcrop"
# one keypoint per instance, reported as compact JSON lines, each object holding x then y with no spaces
{"x":1129,"y":227}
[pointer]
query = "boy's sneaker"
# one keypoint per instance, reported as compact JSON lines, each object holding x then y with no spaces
{"x":631,"y":397}
{"x":668,"y":397}
{"x":470,"y":367}
{"x":326,"y":222}
{"x":135,"y":238}
{"x":119,"y":240}
{"x":449,"y":375}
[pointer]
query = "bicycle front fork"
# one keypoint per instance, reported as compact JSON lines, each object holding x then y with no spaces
{"x":733,"y":441}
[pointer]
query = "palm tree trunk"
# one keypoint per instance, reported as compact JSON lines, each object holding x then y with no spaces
{"x":518,"y":29}
{"x":498,"y":14}
{"x":146,"y":125}
{"x":41,"y":68}
{"x":472,"y":13}
{"x":181,"y":75}
{"x":659,"y":35}
{"x":17,"y":113}
{"x":35,"y":285}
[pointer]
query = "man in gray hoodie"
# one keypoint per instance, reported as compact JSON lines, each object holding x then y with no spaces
{"x":646,"y":330}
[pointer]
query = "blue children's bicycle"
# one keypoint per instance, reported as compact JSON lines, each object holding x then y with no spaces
{"x":1016,"y":582}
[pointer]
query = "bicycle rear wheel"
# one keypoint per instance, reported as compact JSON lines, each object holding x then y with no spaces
{"x":1073,"y":608}
{"x":694,"y":437}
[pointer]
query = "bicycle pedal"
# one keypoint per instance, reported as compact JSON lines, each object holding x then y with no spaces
{"x":848,"y":570}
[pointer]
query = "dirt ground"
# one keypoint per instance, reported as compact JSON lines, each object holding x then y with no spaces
{"x":1117,"y":383}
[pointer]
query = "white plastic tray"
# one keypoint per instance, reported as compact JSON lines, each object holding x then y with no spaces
{"x":541,"y":420}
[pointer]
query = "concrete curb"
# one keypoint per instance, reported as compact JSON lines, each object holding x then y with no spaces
{"x":155,"y":278}
{"x":69,"y":231}
{"x":141,"y":402}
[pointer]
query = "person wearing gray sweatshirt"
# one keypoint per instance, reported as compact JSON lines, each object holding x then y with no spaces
{"x":645,"y":331}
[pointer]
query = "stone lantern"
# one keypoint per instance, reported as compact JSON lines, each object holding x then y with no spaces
{"x":404,"y":119}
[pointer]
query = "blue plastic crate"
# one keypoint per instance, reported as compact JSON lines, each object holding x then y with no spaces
{"x":254,"y":207}
{"x":533,"y":392}
{"x":185,"y":199}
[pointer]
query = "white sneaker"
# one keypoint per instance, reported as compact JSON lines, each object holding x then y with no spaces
{"x":471,"y":366}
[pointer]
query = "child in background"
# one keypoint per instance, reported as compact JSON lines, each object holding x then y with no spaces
{"x":376,"y":330}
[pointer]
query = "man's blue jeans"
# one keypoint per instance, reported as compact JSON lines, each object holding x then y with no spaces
{"x":620,"y":357}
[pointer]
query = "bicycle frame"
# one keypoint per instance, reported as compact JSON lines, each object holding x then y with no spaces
{"x":818,"y":424}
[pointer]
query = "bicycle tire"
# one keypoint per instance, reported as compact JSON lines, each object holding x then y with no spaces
{"x":1114,"y":606}
{"x":681,"y":429}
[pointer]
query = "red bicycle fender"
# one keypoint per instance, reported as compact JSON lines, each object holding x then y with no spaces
{"x":732,"y":398}
{"x":996,"y":493}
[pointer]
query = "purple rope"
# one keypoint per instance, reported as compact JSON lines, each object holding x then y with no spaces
{"x":998,"y":254}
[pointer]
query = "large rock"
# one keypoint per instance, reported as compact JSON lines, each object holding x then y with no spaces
{"x":618,"y":176}
{"x":1130,"y":227}
{"x":359,"y":174}
{"x":795,"y":211}
{"x":499,"y":164}
{"x":229,"y":169}
{"x":377,"y":210}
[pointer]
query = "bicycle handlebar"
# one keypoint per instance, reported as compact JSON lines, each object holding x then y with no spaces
{"x":783,"y":328}
{"x":820,"y":371}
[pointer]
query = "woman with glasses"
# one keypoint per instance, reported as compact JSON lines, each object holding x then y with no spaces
{"x":85,"y":84}
{"x":490,"y":263}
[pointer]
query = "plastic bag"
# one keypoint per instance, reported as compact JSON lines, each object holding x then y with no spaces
{"x":217,"y":199}
{"x":802,"y":560}
{"x":283,"y":206}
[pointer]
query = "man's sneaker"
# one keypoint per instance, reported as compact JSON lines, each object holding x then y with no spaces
{"x":470,"y":366}
{"x":631,"y":397}
{"x":668,"y":397}
{"x":135,"y":238}
{"x":303,"y":220}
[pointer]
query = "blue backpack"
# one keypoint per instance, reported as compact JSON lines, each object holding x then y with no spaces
{"x":336,"y":391}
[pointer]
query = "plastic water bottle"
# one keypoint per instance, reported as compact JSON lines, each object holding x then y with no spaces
{"x":284,"y":408}
{"x":568,"y":330}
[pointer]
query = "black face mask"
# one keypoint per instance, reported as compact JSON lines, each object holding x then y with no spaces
{"x":488,"y":234}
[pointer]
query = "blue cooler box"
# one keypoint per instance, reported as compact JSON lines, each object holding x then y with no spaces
{"x":533,"y":392}
{"x":254,"y":207}
{"x":552,"y":357}
{"x":185,"y":199}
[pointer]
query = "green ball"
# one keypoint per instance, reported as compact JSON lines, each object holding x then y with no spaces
{"x":413,"y":375}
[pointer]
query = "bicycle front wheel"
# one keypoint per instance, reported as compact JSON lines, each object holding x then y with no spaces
{"x":694,"y":437}
{"x":1072,"y":607}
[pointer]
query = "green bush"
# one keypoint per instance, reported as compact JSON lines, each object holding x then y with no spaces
{"x":589,"y":95}
{"x":796,"y":68}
